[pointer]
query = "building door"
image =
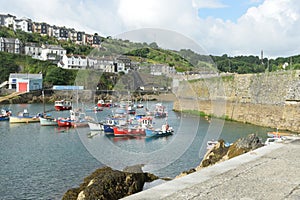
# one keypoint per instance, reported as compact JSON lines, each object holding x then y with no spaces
{"x":23,"y":87}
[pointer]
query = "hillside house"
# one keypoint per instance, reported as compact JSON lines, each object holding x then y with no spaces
{"x":52,"y":53}
{"x":7,"y":20}
{"x":73,"y":62}
{"x":11,"y":45}
{"x":23,"y":24}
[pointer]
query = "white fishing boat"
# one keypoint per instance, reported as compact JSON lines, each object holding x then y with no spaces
{"x":24,"y":117}
{"x":95,"y":126}
{"x":47,"y":120}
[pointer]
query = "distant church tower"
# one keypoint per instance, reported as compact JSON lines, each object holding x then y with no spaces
{"x":262,"y":57}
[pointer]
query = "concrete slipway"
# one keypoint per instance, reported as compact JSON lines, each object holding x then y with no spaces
{"x":270,"y":172}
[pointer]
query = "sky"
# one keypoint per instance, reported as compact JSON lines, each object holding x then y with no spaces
{"x":232,"y":27}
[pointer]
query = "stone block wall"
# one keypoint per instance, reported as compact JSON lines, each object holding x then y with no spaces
{"x":269,"y":99}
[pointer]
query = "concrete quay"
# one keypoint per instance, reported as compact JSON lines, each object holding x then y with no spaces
{"x":270,"y":172}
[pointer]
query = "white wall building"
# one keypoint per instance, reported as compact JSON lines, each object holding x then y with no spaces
{"x":52,"y":53}
{"x":73,"y":62}
{"x":23,"y":24}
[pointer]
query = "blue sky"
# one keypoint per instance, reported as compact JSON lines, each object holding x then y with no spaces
{"x":233,"y":27}
{"x":228,"y":9}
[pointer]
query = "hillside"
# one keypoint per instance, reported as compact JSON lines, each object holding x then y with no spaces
{"x":142,"y":54}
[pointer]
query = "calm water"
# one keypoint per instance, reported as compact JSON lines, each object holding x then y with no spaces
{"x":43,"y":162}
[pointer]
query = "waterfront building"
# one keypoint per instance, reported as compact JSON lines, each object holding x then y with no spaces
{"x":25,"y":82}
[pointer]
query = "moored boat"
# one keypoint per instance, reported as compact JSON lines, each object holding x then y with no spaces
{"x":119,"y":131}
{"x":5,"y":114}
{"x":95,"y":126}
{"x":158,"y":132}
{"x":160,"y":111}
{"x":78,"y":118}
{"x":62,"y":105}
{"x":165,"y":130}
{"x":24,"y":117}
{"x":106,"y":103}
{"x":278,"y":134}
{"x":64,"y":122}
{"x":48,"y":121}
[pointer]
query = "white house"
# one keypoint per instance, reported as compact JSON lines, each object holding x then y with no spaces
{"x":25,"y":82}
{"x":160,"y":69}
{"x":73,"y":62}
{"x":52,"y":53}
{"x":33,"y":49}
{"x":23,"y":24}
{"x":7,"y":20}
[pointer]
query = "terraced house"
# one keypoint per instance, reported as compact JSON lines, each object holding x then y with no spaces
{"x":10,"y":45}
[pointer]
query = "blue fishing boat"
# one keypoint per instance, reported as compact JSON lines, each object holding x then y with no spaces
{"x":4,"y":116}
{"x":165,"y":130}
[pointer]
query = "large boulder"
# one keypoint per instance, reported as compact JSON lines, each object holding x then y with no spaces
{"x":106,"y":183}
{"x":244,"y":145}
{"x":214,"y":155}
{"x":220,"y":152}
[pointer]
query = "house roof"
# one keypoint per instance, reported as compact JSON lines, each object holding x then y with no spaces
{"x":56,"y":47}
{"x":10,"y":40}
{"x":26,"y":76}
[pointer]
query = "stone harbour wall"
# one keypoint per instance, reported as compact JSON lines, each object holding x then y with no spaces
{"x":268,"y":99}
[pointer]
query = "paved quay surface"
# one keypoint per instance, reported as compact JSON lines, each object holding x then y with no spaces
{"x":270,"y":172}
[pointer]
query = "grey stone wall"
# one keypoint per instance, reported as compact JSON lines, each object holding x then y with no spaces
{"x":268,"y":99}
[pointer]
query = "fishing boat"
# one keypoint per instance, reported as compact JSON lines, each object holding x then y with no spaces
{"x":24,"y":117}
{"x":160,"y":111}
{"x":47,"y":120}
{"x":140,"y":105}
{"x":95,"y":109}
{"x":96,"y":126}
{"x":4,"y":116}
{"x":133,"y":127}
{"x":278,"y":134}
{"x":165,"y":130}
{"x":62,"y":105}
{"x":64,"y":122}
{"x":78,"y":118}
{"x":106,"y":103}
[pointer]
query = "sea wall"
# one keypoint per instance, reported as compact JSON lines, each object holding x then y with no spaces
{"x":268,"y":99}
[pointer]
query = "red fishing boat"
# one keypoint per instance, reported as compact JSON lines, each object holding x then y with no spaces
{"x":64,"y":122}
{"x":119,"y":131}
{"x":102,"y":103}
{"x":62,"y":105}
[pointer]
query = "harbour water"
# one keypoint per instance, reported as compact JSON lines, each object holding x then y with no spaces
{"x":44,"y":162}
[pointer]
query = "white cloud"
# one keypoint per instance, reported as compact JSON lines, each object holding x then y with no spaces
{"x":208,"y":4}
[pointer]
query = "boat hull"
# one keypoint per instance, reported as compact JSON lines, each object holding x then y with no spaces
{"x":94,"y":126}
{"x":64,"y":123}
{"x":6,"y":118}
{"x":108,"y":128}
{"x":48,"y":121}
{"x":62,"y":108}
{"x":157,"y":133}
{"x":16,"y":119}
{"x":278,"y":134}
{"x":118,"y":131}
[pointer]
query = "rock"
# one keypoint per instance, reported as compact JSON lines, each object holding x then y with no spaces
{"x":184,"y":173}
{"x":214,"y":155}
{"x":106,"y":183}
{"x":221,"y":153}
{"x":244,"y":145}
{"x":134,"y":169}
